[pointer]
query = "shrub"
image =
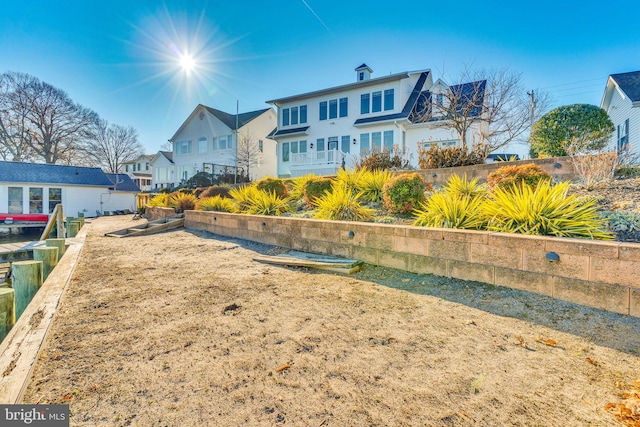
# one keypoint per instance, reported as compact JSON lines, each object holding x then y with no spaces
{"x":514,"y":175}
{"x":161,"y":200}
{"x":404,"y":193}
{"x":372,"y":183}
{"x":216,"y":203}
{"x":378,"y":159}
{"x":242,"y":197}
{"x":622,"y":221}
{"x":544,"y":210}
{"x":458,"y":205}
{"x":592,"y":168}
{"x":436,"y":157}
{"x":342,"y":204}
{"x":628,"y":171}
{"x":273,"y":185}
{"x":297,"y":185}
{"x":268,"y":203}
{"x":315,"y":188}
{"x":182,"y":201}
{"x":215,"y":190}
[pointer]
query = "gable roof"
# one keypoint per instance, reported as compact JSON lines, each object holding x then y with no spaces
{"x":629,"y":83}
{"x":122,"y":182}
{"x":229,"y":120}
{"x":147,"y":157}
{"x":361,"y":83}
{"x":52,"y":174}
{"x":166,"y":154}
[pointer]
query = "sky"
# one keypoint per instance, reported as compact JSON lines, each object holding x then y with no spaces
{"x":122,"y":59}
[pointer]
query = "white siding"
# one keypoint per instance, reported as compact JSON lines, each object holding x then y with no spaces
{"x":620,"y":109}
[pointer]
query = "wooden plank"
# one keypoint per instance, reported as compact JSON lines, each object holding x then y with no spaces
{"x":301,"y":262}
{"x":149,"y":228}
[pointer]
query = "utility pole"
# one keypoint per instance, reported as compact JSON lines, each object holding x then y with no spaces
{"x":532,"y":106}
{"x":235,"y":175}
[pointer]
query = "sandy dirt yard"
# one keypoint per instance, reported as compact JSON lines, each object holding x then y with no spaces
{"x":183,"y":328}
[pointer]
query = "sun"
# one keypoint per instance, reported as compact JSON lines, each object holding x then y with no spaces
{"x":187,"y":62}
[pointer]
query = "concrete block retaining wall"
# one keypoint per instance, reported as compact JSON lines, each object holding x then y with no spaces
{"x":598,"y":274}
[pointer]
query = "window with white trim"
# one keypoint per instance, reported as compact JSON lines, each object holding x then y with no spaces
{"x":202,"y":145}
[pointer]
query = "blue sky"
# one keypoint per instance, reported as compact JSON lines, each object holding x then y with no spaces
{"x":120,"y":58}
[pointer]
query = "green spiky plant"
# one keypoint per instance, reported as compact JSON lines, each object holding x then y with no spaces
{"x":182,"y":201}
{"x":161,"y":200}
{"x":342,"y":204}
{"x":372,"y":183}
{"x":448,"y":209}
{"x":268,"y":203}
{"x":544,"y":210}
{"x":462,"y":186}
{"x":216,"y":203}
{"x":242,"y":197}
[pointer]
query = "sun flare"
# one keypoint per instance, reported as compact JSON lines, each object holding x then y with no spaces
{"x":187,"y":62}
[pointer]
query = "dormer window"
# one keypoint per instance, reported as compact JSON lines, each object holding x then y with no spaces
{"x":361,"y":76}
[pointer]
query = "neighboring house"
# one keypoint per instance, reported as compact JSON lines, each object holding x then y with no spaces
{"x":163,"y":171}
{"x":31,"y":188}
{"x":319,"y":130}
{"x":208,"y":141}
{"x":621,"y":100}
{"x":139,"y":170}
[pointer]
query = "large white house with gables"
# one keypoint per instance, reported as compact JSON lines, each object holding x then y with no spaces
{"x":621,"y":100}
{"x":319,"y":131}
{"x":207,"y":141}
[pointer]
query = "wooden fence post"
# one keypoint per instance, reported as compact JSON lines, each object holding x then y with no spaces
{"x":7,"y":311}
{"x":72,"y":228}
{"x":57,"y":243}
{"x":49,"y":258}
{"x":26,"y":279}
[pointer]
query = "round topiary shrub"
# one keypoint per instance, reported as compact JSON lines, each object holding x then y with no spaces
{"x":316,"y":188}
{"x":215,"y":190}
{"x":510,"y":176}
{"x":404,"y":193}
{"x":272,"y":185}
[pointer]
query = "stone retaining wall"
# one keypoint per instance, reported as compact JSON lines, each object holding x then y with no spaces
{"x":598,"y":274}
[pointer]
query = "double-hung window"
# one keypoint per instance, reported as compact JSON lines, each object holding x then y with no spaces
{"x":55,"y":197}
{"x":345,"y":146}
{"x":15,"y":200}
{"x":333,"y":108}
{"x":364,"y":103}
{"x":388,"y":140}
{"x":285,"y":117}
{"x":623,"y":136}
{"x":364,"y":143}
{"x":35,"y":200}
{"x":202,"y":145}
{"x":388,"y":99}
{"x":376,"y":141}
{"x":323,"y":110}
{"x":303,"y":114}
{"x":376,"y":102}
{"x":344,"y":107}
{"x":294,"y":115}
{"x":285,"y":151}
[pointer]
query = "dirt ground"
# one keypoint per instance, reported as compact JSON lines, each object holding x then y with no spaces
{"x":184,"y":329}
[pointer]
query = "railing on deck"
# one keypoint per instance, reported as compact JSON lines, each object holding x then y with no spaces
{"x":332,"y":157}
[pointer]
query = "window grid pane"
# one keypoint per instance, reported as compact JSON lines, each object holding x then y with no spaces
{"x":294,"y":115}
{"x":344,"y":107}
{"x":323,"y":110}
{"x":285,"y":117}
{"x":285,"y":152}
{"x":376,"y":102}
{"x":388,"y":99}
{"x":364,"y":103}
{"x":333,"y":108}
{"x":303,"y":114}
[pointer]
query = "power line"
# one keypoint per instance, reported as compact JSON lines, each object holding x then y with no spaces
{"x":603,"y":79}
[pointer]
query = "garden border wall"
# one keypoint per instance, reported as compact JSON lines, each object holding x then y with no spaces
{"x":598,"y":274}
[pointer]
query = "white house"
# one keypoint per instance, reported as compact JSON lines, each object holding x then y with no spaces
{"x":318,"y":130}
{"x":208,"y":141}
{"x":31,"y":188}
{"x":139,"y":170}
{"x":621,"y":100}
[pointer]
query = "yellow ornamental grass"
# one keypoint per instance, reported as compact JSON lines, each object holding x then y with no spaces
{"x":242,"y":197}
{"x":351,"y":179}
{"x":216,"y":203}
{"x":161,"y":200}
{"x":268,"y":203}
{"x":464,"y":187}
{"x":544,"y":210}
{"x":297,"y":186}
{"x":182,"y":201}
{"x":371,"y":184}
{"x":342,"y":204}
{"x":448,"y":209}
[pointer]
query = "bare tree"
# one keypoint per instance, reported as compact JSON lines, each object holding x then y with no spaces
{"x":249,"y":152}
{"x":41,"y":121}
{"x":15,"y":138}
{"x":111,"y":145}
{"x":492,"y":104}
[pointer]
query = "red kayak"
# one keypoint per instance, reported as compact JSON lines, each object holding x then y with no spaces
{"x":16,"y":218}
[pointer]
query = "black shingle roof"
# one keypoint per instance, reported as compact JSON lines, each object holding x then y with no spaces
{"x":472,"y":92}
{"x":629,"y":83}
{"x":290,"y":131}
{"x":230,"y":119}
{"x":52,"y":174}
{"x":122,"y":182}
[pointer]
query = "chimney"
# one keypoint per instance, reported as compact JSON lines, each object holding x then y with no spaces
{"x":363,"y":72}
